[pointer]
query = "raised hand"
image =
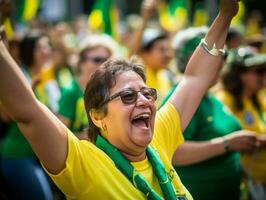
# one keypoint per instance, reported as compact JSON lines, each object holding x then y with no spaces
{"x":243,"y":141}
{"x":148,"y":7}
{"x":229,"y":7}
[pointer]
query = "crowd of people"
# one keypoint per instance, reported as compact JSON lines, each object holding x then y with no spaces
{"x":83,"y":117}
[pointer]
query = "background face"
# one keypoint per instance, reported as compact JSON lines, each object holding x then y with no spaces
{"x":93,"y":59}
{"x":160,"y":55}
{"x":42,"y":51}
{"x":252,"y":80}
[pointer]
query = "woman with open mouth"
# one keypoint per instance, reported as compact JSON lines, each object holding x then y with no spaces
{"x":131,"y":148}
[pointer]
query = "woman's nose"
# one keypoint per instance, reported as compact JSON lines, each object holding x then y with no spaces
{"x":142,"y":100}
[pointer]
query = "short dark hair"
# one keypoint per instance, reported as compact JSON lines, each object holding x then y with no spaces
{"x":150,"y":37}
{"x":98,"y":88}
{"x":27,"y":48}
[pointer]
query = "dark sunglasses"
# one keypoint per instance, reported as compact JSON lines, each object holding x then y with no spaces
{"x":96,"y":59}
{"x":130,"y":96}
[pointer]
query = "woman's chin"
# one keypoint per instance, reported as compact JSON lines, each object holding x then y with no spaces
{"x":143,"y":141}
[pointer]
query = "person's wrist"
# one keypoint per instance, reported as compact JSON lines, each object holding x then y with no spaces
{"x":226,"y":145}
{"x":226,"y":16}
{"x":212,"y":51}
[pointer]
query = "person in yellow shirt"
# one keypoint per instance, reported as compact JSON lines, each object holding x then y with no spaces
{"x":131,"y":148}
{"x":153,"y":46}
{"x":242,"y":82}
{"x":19,"y":165}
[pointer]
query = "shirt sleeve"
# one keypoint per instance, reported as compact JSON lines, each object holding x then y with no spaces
{"x":77,"y":175}
{"x":167,"y":130}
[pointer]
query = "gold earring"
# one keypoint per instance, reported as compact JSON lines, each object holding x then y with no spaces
{"x":104,"y":128}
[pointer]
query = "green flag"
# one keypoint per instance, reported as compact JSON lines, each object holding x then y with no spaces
{"x":103,"y":17}
{"x":201,"y":16}
{"x":174,"y":15}
{"x":27,"y":9}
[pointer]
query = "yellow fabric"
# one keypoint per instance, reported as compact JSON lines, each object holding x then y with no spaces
{"x":160,"y":81}
{"x":9,"y":29}
{"x":47,"y":88}
{"x":254,"y":165}
{"x":80,"y":114}
{"x":91,"y":174}
{"x":30,"y":9}
{"x":47,"y":74}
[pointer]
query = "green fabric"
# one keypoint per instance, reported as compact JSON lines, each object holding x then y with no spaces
{"x":14,"y":144}
{"x":64,"y":77}
{"x":71,"y":106}
{"x":105,"y":8}
{"x":213,"y":178}
{"x":27,"y":9}
{"x":137,"y":179}
{"x":177,"y":4}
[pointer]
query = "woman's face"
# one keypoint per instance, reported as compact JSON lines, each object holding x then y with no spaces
{"x":130,"y":127}
{"x":160,"y":55}
{"x":252,"y":80}
{"x":43,"y":51}
{"x":93,"y":59}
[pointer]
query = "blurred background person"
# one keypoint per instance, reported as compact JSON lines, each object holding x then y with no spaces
{"x":20,"y":167}
{"x":94,"y":50}
{"x":209,"y":161}
{"x":153,"y":45}
{"x":234,"y":39}
{"x":242,"y":82}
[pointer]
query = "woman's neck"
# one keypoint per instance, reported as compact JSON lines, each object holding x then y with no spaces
{"x":247,"y":93}
{"x":134,"y":158}
{"x":82,"y":81}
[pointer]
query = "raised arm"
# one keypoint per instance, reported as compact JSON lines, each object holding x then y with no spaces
{"x":46,"y":134}
{"x":203,"y":67}
{"x":147,"y":8}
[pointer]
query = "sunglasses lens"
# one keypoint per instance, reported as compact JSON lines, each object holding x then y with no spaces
{"x":98,"y":60}
{"x":149,"y":93}
{"x":129,"y":97}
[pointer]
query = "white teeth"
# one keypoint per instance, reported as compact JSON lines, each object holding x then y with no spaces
{"x":144,"y":115}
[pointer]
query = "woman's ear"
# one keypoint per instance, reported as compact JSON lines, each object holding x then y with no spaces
{"x":96,"y":117}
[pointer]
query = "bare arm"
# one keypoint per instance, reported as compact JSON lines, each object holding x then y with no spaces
{"x":46,"y":134}
{"x":82,"y":135}
{"x":192,"y":152}
{"x":203,"y":67}
{"x":147,"y":8}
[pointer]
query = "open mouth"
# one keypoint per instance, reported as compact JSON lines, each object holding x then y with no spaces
{"x":142,"y":120}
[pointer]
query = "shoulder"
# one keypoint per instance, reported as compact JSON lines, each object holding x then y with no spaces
{"x":225,"y":97}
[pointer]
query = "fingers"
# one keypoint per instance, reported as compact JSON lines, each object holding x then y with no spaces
{"x":3,"y":36}
{"x":261,"y":141}
{"x":254,"y":143}
{"x":147,"y":9}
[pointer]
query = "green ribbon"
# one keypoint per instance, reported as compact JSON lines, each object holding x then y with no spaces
{"x":137,"y":179}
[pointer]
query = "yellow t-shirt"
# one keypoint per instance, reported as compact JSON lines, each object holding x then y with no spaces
{"x":91,"y":174}
{"x":255,"y":164}
{"x":160,"y":81}
{"x":47,"y":89}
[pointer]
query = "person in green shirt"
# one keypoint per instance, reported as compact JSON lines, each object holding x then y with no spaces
{"x":94,"y":51}
{"x":19,"y":164}
{"x":123,"y":123}
{"x":240,"y":91}
{"x":208,"y":162}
